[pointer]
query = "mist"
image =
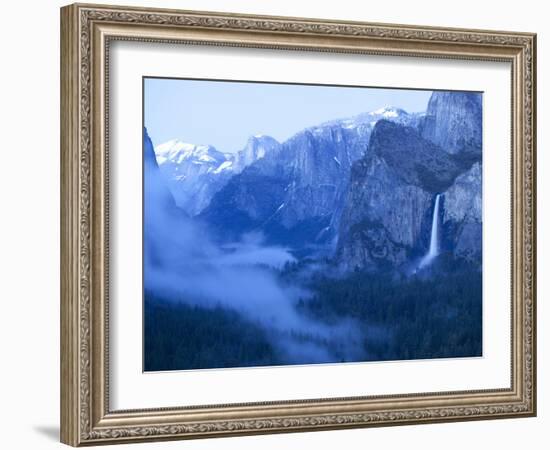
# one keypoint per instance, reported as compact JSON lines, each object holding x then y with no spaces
{"x":182,"y":263}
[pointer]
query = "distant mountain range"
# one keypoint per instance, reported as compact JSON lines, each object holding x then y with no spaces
{"x":313,"y":165}
{"x":195,"y":173}
{"x":361,"y":189}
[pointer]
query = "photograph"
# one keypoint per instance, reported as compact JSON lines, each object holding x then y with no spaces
{"x":296,"y":224}
{"x":290,"y":220}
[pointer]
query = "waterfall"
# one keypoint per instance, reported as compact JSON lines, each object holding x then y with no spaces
{"x":433,"y":250}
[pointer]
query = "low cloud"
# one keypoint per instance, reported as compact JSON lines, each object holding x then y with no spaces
{"x":183,"y":264}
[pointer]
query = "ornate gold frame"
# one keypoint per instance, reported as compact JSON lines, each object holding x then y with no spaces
{"x":86,"y":31}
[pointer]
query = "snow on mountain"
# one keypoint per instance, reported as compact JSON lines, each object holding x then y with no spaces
{"x":194,"y":173}
{"x":395,"y":188}
{"x":226,"y":165}
{"x":388,"y":112}
{"x":187,"y":169}
{"x":176,"y":152}
{"x":309,"y":174}
{"x":257,"y":147}
{"x":369,"y":119}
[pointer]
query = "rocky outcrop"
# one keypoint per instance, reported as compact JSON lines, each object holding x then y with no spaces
{"x":388,"y":212}
{"x":290,"y":195}
{"x":191,"y":173}
{"x":390,"y":198}
{"x":383,"y":217}
{"x":195,"y":173}
{"x":296,"y":195}
{"x":156,"y":193}
{"x":462,"y":216}
{"x":160,"y":212}
{"x":257,"y":147}
{"x":414,"y":159}
{"x":454,"y":121}
{"x":364,"y":186}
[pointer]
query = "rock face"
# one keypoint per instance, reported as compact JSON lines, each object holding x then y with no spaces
{"x":195,"y":173}
{"x":383,"y":217}
{"x":191,"y":173}
{"x":462,"y":216}
{"x":156,"y":193}
{"x":359,"y":190}
{"x":387,"y":218}
{"x":257,"y":147}
{"x":415,"y":160}
{"x":454,"y":121}
{"x":392,"y":190}
{"x":289,"y":196}
{"x":296,"y":195}
{"x":159,"y":207}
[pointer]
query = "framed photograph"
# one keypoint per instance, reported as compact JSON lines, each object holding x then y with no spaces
{"x":276,"y":224}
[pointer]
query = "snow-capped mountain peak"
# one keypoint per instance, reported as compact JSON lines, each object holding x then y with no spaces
{"x":176,"y":152}
{"x":368,"y":119}
{"x":194,"y":173}
{"x":388,"y":112}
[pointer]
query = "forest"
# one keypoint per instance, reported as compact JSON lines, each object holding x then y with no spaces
{"x":395,"y":318}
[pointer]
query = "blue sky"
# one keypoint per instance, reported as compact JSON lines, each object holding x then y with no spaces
{"x":224,"y":114}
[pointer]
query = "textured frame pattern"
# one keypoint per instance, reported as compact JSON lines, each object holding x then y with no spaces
{"x":86,"y":31}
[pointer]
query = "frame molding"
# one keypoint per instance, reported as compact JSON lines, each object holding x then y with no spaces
{"x":86,"y":31}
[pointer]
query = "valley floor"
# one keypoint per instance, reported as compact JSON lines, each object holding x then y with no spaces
{"x":359,"y":317}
